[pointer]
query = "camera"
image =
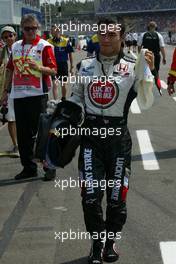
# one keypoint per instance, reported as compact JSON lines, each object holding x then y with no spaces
{"x":3,"y":114}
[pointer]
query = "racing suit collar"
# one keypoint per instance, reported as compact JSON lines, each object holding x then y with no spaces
{"x":119,"y":57}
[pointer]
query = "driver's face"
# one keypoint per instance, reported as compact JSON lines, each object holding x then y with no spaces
{"x":110,"y":41}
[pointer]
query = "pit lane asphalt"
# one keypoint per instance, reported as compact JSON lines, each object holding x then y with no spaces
{"x":32,"y":212}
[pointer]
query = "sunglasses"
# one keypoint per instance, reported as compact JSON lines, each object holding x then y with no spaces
{"x":9,"y":36}
{"x":30,"y":29}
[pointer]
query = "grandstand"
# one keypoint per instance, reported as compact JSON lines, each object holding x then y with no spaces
{"x":137,"y":14}
{"x":136,"y":5}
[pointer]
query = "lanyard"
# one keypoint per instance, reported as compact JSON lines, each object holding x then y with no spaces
{"x":24,"y":58}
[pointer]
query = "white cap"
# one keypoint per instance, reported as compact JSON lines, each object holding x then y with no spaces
{"x":8,"y":29}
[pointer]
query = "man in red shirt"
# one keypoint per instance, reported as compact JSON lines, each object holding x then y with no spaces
{"x":30,"y":66}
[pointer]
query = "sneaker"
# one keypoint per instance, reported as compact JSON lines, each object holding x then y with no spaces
{"x":50,"y":174}
{"x":110,"y":253}
{"x":14,"y":152}
{"x":25,"y":175}
{"x":96,"y":253}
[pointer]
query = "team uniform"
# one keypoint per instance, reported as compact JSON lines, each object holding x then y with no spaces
{"x":106,"y":106}
{"x":62,"y":48}
{"x":152,"y":41}
{"x":93,"y":45}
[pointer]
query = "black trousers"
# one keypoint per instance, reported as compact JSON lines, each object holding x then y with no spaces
{"x":27,"y":113}
{"x":157,"y":61}
{"x":105,"y":159}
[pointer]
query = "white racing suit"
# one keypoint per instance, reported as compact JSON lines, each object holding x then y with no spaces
{"x":101,"y":158}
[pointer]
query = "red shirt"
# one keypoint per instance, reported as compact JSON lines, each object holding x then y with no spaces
{"x":172,"y":72}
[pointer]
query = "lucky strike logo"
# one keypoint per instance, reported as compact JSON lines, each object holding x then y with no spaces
{"x":103,"y":94}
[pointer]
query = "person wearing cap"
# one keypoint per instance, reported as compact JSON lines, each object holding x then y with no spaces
{"x":8,"y":35}
{"x":153,"y":41}
{"x":31,"y":63}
